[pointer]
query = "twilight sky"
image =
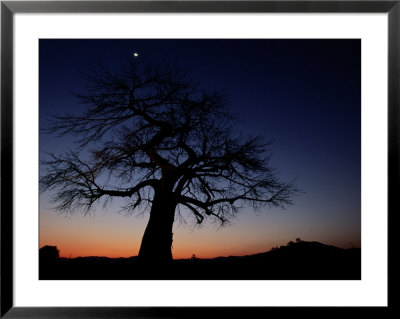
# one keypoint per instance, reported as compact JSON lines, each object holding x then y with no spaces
{"x":304,"y":94}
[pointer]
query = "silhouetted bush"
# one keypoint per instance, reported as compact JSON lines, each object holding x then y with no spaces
{"x":49,"y":253}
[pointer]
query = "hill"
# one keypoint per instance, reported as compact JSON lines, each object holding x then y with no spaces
{"x":296,"y":261}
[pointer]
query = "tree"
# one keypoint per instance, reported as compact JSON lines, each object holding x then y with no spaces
{"x":48,"y":254}
{"x":290,"y":244}
{"x":152,"y":137}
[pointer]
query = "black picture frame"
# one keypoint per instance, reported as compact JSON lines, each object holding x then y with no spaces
{"x":9,"y":8}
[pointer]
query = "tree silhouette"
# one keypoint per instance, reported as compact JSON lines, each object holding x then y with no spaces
{"x":151,"y":136}
{"x":48,"y":254}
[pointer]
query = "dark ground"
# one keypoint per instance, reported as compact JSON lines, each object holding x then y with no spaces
{"x":296,"y":261}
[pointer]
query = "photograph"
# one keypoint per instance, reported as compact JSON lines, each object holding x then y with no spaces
{"x":199,"y":159}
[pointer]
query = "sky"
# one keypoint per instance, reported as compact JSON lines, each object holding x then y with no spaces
{"x":303,"y":94}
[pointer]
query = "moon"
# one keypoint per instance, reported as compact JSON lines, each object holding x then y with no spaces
{"x":135,"y":54}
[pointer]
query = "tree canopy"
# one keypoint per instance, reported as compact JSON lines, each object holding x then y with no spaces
{"x":148,"y":128}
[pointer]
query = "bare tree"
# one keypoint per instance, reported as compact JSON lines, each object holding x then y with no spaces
{"x":152,"y":137}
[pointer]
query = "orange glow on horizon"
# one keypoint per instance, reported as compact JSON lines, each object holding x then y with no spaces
{"x":112,"y":235}
{"x":182,"y":248}
{"x":81,"y":248}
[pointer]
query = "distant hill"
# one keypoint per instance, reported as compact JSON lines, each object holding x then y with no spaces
{"x":299,"y":260}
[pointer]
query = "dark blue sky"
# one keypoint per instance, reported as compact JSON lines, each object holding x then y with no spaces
{"x":304,"y":94}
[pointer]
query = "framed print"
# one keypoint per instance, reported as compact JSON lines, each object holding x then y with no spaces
{"x":176,"y":158}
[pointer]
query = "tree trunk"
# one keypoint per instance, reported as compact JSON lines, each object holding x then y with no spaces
{"x":157,"y":239}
